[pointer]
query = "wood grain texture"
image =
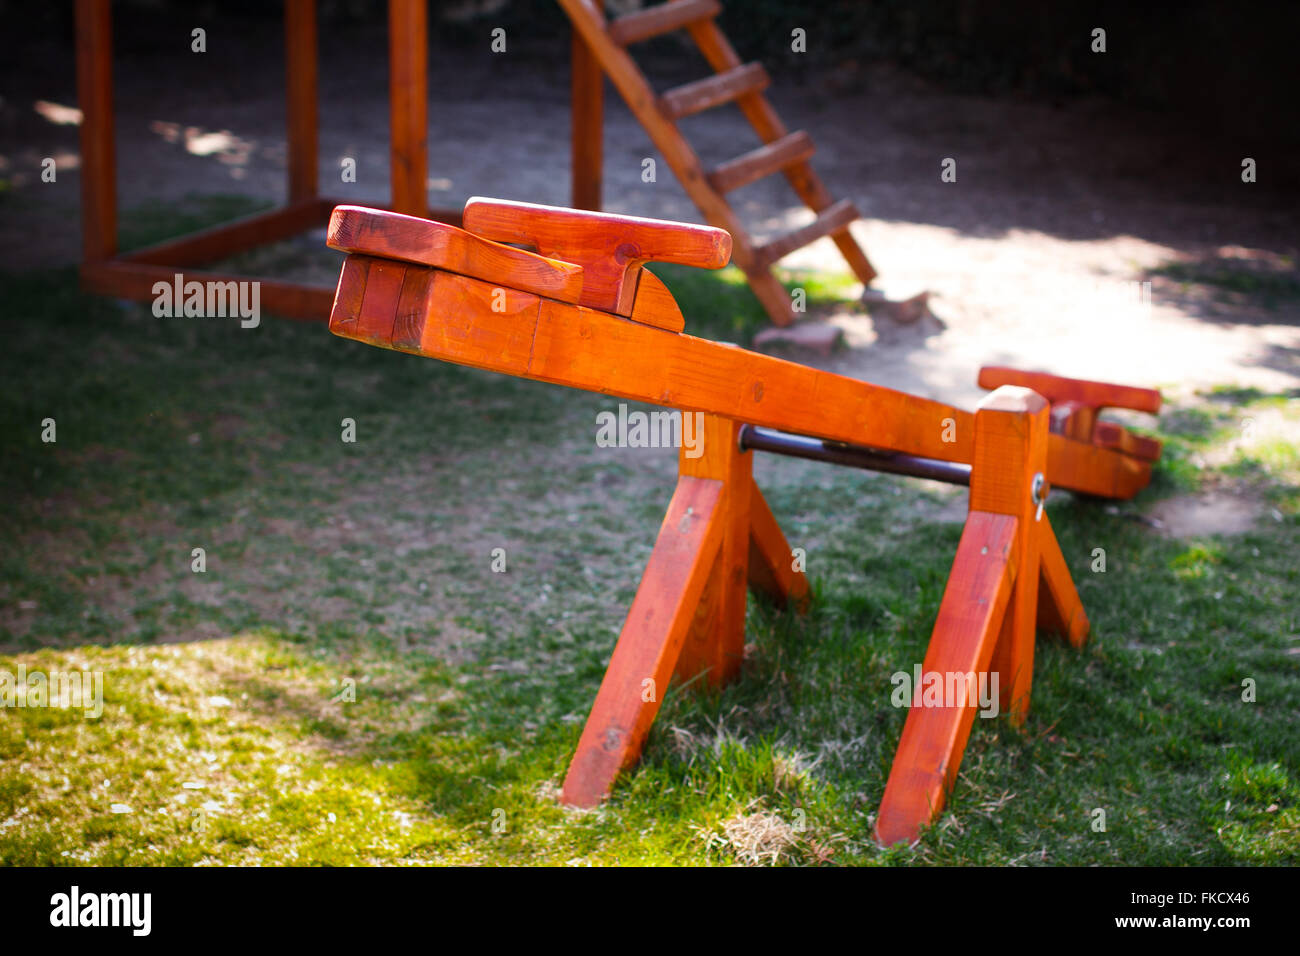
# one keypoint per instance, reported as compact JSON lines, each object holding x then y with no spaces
{"x":376,"y":232}
{"x":652,"y":637}
{"x":610,"y":248}
{"x":975,"y":601}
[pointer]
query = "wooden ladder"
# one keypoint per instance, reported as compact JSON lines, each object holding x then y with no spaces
{"x":733,"y":81}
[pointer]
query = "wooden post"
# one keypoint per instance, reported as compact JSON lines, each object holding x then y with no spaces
{"x":408,"y":76}
{"x":716,"y":643}
{"x":1010,"y":451}
{"x":588,"y":104}
{"x":301,"y":57}
{"x":98,"y":155}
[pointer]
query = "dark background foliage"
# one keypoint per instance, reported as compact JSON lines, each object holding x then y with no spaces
{"x":1226,"y":67}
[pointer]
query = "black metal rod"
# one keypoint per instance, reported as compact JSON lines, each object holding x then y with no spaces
{"x":855,"y":456}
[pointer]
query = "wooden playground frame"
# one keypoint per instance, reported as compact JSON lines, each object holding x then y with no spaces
{"x":131,"y":275}
{"x":598,"y":49}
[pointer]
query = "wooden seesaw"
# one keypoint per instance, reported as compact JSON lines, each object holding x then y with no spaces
{"x":582,"y":312}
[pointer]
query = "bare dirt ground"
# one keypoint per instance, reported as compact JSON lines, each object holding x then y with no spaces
{"x":1031,"y":256}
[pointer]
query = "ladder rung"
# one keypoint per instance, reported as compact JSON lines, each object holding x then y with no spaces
{"x":777,"y":155}
{"x":831,"y":219}
{"x":691,"y":98}
{"x":664,"y":18}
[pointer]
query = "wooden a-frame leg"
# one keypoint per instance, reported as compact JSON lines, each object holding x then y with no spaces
{"x":771,"y":562}
{"x":934,"y":738}
{"x":987,"y":619}
{"x":652,"y":637}
{"x":715,"y":644}
{"x":1059,"y":608}
{"x":1010,"y":451}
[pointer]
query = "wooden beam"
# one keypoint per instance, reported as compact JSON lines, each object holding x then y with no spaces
{"x":587,"y":143}
{"x":301,"y":60}
{"x":219,"y":242}
{"x":135,"y":280}
{"x":767,"y":159}
{"x":660,"y":19}
{"x":584,"y":348}
{"x":1010,"y":451}
{"x":934,"y":738}
{"x":700,"y":95}
{"x":408,"y":71}
{"x":98,"y":152}
{"x":716,"y":644}
{"x":642,"y":665}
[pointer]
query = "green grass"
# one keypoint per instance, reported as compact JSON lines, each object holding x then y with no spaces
{"x":348,"y":682}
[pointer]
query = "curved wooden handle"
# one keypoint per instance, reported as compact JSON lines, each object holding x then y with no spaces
{"x":610,"y":248}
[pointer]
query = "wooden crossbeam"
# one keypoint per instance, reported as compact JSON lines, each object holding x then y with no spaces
{"x":699,"y":95}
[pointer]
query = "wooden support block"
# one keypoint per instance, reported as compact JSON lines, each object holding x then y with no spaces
{"x":1010,"y":452}
{"x":975,"y":601}
{"x":771,"y":561}
{"x":1059,"y":609}
{"x":655,"y":305}
{"x":1090,"y":469}
{"x":642,"y":665}
{"x":1116,"y":436}
{"x":716,"y":644}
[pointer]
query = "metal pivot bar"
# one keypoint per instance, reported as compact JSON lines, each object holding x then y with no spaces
{"x":582,"y":312}
{"x":753,"y":438}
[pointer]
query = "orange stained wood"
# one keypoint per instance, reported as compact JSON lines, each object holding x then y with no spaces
{"x":771,"y":560}
{"x":1113,"y":435}
{"x":1056,"y":389}
{"x":651,"y":640}
{"x":655,"y":305}
{"x":1010,"y":449}
{"x":375,"y":232}
{"x":584,"y":348}
{"x":934,"y":738}
{"x":610,"y":248}
{"x":1059,"y":609}
{"x":716,"y":643}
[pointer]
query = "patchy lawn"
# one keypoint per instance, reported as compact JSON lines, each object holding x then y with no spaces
{"x":349,"y":682}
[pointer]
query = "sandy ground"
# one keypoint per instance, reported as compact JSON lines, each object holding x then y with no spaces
{"x":1030,"y":255}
